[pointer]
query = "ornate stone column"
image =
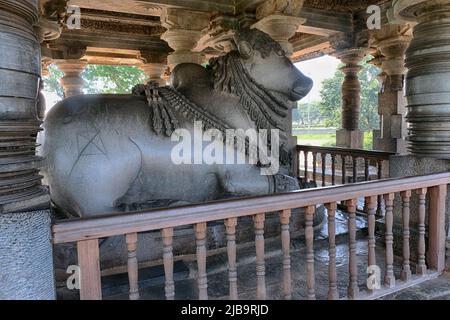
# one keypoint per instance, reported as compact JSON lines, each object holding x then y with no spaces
{"x":72,"y":82}
{"x":280,"y":21}
{"x":154,"y":67}
{"x":350,"y":136}
{"x":26,"y":270}
{"x":392,"y":41}
{"x":427,"y":87}
{"x":428,"y":77}
{"x":184,"y":31}
{"x":155,"y":72}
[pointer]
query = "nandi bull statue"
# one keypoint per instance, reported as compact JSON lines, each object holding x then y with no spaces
{"x":109,"y":153}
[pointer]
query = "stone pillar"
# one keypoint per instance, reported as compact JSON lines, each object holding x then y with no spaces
{"x":72,"y":82}
{"x":428,"y":77}
{"x":427,"y":86}
{"x":280,"y":21}
{"x":26,"y":262}
{"x":350,"y":136}
{"x":155,"y":72}
{"x":392,"y":41}
{"x":184,"y":30}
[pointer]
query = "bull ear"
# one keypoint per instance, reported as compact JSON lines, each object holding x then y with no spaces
{"x":245,"y":49}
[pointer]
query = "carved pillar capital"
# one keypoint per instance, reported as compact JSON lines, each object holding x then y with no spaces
{"x":392,"y":40}
{"x":47,"y":30}
{"x":219,"y":35}
{"x":184,"y":30}
{"x":72,"y":82}
{"x":279,"y":19}
{"x":155,"y":72}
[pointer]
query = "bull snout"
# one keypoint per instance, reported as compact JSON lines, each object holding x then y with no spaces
{"x":301,"y":88}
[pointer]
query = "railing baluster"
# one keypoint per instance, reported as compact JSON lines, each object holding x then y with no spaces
{"x":343,"y":169}
{"x":200,"y":236}
{"x":355,"y":169}
{"x":333,"y":169}
{"x":315,"y":167}
{"x":406,"y":270}
{"x":132,"y":265}
{"x":285,"y":216}
{"x":366,"y":178}
{"x":306,"y":165}
{"x":353,"y":290}
{"x":230,"y":225}
{"x":421,"y":267}
{"x":389,"y":277}
{"x":297,"y":164}
{"x":323,"y":157}
{"x":371,"y":208}
{"x":89,"y":263}
{"x":258,"y":221}
{"x":167,"y":237}
{"x":309,"y":235}
{"x":380,"y":197}
{"x":332,"y":276}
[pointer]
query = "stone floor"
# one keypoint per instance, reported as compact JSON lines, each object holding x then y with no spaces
{"x":152,"y":279}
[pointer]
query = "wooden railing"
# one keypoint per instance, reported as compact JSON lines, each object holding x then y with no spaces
{"x":348,"y":161}
{"x":431,"y":260}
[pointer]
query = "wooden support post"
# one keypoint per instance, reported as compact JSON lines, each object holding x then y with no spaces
{"x":436,"y":229}
{"x":89,"y":263}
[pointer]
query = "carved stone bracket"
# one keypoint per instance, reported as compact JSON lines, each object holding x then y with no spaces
{"x":281,"y":28}
{"x":185,"y":28}
{"x":392,"y":40}
{"x":279,"y":19}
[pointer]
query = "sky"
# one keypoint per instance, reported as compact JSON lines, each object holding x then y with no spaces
{"x":317,"y":69}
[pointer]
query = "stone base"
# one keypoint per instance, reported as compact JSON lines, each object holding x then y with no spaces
{"x":26,"y":261}
{"x":352,"y":139}
{"x":409,"y":165}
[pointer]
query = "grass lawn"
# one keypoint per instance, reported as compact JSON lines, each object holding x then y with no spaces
{"x":329,"y":139}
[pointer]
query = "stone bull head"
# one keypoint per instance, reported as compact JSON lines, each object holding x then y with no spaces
{"x":266,"y":62}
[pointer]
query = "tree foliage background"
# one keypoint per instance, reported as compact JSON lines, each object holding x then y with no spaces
{"x":331,"y":94}
{"x":99,"y":79}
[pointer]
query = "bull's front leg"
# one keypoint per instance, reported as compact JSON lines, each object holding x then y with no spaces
{"x":248,"y":181}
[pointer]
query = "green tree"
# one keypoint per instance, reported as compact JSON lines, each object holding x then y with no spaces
{"x":52,"y":82}
{"x":331,"y":98}
{"x":99,"y":79}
